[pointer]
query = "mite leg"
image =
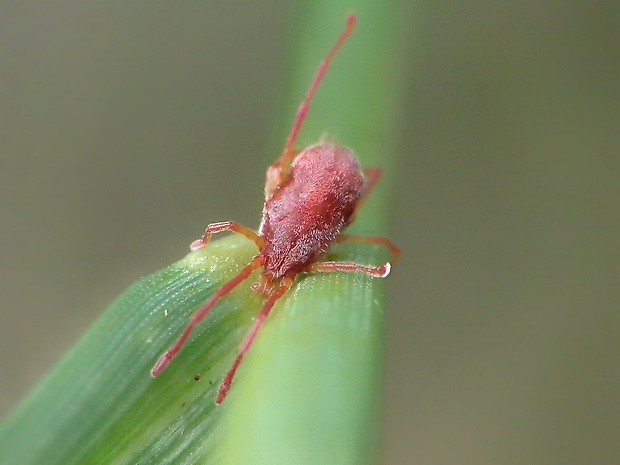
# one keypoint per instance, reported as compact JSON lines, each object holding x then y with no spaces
{"x":281,"y":165}
{"x":227,"y":226}
{"x":285,"y":285}
{"x":274,"y":175}
{"x":245,"y":273}
{"x":395,"y":251}
{"x":372,"y":176}
{"x":374,"y":271}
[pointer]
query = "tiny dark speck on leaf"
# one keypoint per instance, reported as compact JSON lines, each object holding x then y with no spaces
{"x":197,"y":376}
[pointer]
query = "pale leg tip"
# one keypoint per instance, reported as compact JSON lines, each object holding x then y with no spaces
{"x":197,"y":244}
{"x":221,"y":394}
{"x":161,"y":365}
{"x":385,"y":270}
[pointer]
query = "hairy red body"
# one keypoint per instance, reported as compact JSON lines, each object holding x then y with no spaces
{"x":305,"y":216}
{"x":310,"y":198}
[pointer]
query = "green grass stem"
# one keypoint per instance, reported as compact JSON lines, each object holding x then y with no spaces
{"x":308,"y":391}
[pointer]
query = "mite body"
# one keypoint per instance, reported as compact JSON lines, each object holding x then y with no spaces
{"x":305,"y":216}
{"x":310,"y":198}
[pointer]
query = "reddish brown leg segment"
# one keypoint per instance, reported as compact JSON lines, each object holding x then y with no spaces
{"x":374,"y":271}
{"x":244,"y":274}
{"x":372,"y":176}
{"x":285,"y":285}
{"x":395,"y":251}
{"x":287,"y":156}
{"x":227,"y":226}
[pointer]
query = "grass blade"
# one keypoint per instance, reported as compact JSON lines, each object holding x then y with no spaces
{"x":308,"y":390}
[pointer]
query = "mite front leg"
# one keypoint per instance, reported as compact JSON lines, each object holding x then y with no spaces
{"x":227,"y":226}
{"x":223,"y":291}
{"x":284,"y":286}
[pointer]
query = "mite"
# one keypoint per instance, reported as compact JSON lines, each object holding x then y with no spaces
{"x":311,"y":196}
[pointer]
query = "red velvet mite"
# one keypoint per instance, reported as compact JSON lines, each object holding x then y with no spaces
{"x":310,"y":198}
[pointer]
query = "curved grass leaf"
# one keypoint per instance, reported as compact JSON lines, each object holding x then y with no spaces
{"x":100,"y":404}
{"x":307,"y":393}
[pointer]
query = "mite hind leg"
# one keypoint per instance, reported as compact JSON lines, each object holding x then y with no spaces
{"x":371,"y":177}
{"x":277,"y":172}
{"x":227,"y":226}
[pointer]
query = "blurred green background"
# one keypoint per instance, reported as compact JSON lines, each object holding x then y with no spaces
{"x":127,"y":127}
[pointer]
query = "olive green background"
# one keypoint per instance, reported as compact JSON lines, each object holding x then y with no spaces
{"x":126,"y":127}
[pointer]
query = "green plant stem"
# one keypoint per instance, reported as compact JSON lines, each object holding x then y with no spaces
{"x":308,"y":390}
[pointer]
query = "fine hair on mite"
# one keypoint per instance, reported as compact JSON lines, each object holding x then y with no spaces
{"x":311,"y":196}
